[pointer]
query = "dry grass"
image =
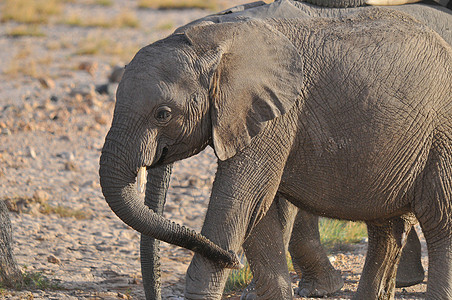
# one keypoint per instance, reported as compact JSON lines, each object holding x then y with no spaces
{"x":31,"y":205}
{"x":17,"y":67}
{"x":23,"y":63}
{"x":105,"y":46}
{"x":63,"y":211}
{"x":26,"y":30}
{"x":125,"y":19}
{"x":30,"y":11}
{"x":178,"y":4}
{"x":166,"y":25}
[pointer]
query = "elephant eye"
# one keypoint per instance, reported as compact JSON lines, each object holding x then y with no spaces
{"x":163,"y":114}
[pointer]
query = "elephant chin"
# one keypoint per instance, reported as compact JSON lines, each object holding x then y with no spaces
{"x":120,"y":191}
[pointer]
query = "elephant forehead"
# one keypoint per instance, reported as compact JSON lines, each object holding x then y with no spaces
{"x":144,"y":91}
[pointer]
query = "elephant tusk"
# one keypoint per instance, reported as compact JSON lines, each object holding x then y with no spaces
{"x":390,"y":2}
{"x":141,"y":179}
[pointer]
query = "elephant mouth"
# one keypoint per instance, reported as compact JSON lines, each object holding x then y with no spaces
{"x":142,"y":172}
{"x":160,"y":161}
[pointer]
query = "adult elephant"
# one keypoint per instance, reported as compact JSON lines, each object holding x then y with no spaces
{"x":288,"y":133}
{"x":319,"y":276}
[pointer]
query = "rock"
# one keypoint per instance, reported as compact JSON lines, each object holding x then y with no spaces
{"x":53,"y":259}
{"x":83,"y":90}
{"x":91,"y":184}
{"x":102,"y":89}
{"x":66,"y":155}
{"x":116,"y":74}
{"x":41,"y":196}
{"x":88,"y":66}
{"x":70,"y":166}
{"x":47,"y":82}
{"x":54,"y":98}
{"x":107,"y":89}
{"x":31,"y":152}
{"x":101,"y":119}
{"x":5,"y":131}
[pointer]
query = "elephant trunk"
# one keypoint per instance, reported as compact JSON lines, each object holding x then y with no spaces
{"x":156,"y":189}
{"x":119,"y":189}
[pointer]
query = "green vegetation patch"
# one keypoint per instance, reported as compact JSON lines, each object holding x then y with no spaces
{"x":38,"y":280}
{"x":239,"y":279}
{"x":33,"y":280}
{"x":334,"y":234}
{"x":105,"y":3}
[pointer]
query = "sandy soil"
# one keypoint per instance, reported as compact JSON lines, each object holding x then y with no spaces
{"x":52,"y":127}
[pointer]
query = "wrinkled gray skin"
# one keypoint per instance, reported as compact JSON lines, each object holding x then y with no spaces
{"x":10,"y":274}
{"x":319,"y":277}
{"x":283,"y":131}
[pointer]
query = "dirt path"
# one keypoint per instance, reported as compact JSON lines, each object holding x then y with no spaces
{"x":52,"y":126}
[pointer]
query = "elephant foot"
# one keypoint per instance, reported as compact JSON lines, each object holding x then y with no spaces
{"x":409,"y":277}
{"x":321,"y":286}
{"x":249,"y":293}
{"x":410,"y":270}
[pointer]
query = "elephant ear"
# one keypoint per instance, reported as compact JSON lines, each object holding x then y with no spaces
{"x":255,"y":77}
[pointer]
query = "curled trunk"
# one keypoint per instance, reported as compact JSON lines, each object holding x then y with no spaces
{"x":119,"y":189}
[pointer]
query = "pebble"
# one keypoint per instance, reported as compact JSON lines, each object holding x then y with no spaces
{"x":47,"y":82}
{"x":101,"y":119}
{"x":66,"y":155}
{"x":88,"y":66}
{"x":70,"y":166}
{"x":53,"y":259}
{"x":85,"y":89}
{"x":107,"y":89}
{"x":41,"y":196}
{"x":31,"y":152}
{"x":5,"y":131}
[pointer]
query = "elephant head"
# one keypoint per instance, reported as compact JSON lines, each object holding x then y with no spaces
{"x":215,"y":84}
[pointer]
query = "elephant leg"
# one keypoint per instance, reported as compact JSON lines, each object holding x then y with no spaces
{"x":156,"y":188}
{"x":268,"y":260}
{"x":243,"y":191}
{"x":10,"y":274}
{"x":317,"y":276}
{"x":433,"y":209}
{"x":384,"y":250}
{"x":410,"y":270}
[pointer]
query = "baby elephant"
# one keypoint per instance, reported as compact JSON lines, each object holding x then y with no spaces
{"x":348,"y":118}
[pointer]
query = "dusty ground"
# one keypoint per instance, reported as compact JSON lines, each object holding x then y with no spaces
{"x":52,"y":127}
